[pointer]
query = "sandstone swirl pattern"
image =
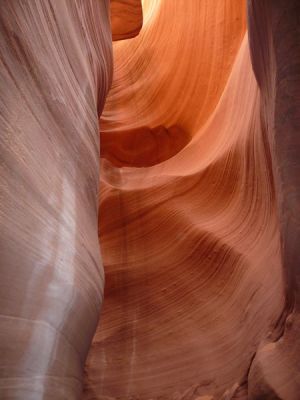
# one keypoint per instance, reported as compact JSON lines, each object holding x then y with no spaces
{"x":188,"y":215}
{"x":199,"y":203}
{"x":56,"y":68}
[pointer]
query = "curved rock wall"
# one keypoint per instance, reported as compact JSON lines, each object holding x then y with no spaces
{"x":168,"y":80}
{"x":274,"y":32}
{"x":55,"y":73}
{"x":199,"y":182}
{"x":189,"y":234}
{"x":126,"y":18}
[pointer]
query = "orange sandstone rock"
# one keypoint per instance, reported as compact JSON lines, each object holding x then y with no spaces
{"x":190,"y":244}
{"x":198,"y":213}
{"x":126,"y":18}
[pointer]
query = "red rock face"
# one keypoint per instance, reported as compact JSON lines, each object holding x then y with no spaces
{"x":199,"y":193}
{"x":191,"y":243}
{"x":126,"y":18}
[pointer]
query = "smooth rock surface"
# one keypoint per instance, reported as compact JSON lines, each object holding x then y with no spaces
{"x":55,"y":74}
{"x":126,"y":18}
{"x":274,"y":31}
{"x":191,"y":241}
{"x":198,"y":218}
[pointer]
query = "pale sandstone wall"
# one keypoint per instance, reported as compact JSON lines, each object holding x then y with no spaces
{"x":56,"y":69}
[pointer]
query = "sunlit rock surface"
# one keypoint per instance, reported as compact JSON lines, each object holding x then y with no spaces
{"x":195,"y":283}
{"x":198,"y":208}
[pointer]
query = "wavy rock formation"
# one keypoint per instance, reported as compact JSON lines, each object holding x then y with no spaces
{"x":126,"y":18}
{"x":191,"y":242}
{"x":275,"y":48}
{"x":169,"y":79}
{"x":199,"y":193}
{"x":56,"y":68}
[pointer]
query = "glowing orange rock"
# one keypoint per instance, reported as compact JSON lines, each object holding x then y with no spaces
{"x":190,"y":245}
{"x":199,"y":221}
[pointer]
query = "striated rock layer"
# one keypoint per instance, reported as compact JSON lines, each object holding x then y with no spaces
{"x":169,"y":79}
{"x":199,"y":196}
{"x":56,"y":68}
{"x":126,"y":18}
{"x":274,"y":32}
{"x":195,"y":298}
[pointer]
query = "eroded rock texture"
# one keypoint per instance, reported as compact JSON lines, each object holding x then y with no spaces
{"x":56,"y":68}
{"x":126,"y":18}
{"x":275,"y":47}
{"x":195,"y":298}
{"x":199,"y":180}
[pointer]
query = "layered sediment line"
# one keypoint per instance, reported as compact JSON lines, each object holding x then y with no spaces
{"x":56,"y":69}
{"x":197,"y":217}
{"x":275,"y":52}
{"x":126,"y":18}
{"x":191,"y":245}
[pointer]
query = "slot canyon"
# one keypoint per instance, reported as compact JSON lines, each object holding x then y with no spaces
{"x":150,"y":200}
